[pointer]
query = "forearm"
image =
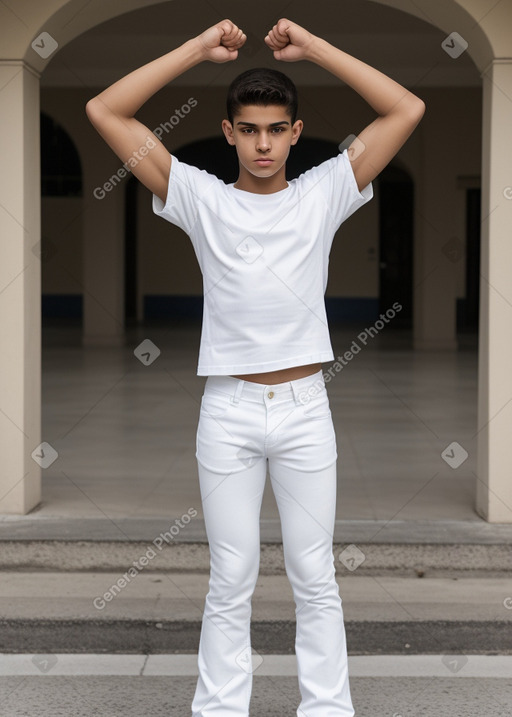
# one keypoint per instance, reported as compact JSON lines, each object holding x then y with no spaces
{"x":128,"y":94}
{"x":380,"y":91}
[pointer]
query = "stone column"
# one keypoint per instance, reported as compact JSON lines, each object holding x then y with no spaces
{"x":434,"y":326}
{"x":103,"y":236}
{"x":20,"y":291}
{"x":494,"y":480}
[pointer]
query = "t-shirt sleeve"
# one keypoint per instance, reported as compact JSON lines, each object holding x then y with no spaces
{"x":338,"y":185}
{"x":187,"y":185}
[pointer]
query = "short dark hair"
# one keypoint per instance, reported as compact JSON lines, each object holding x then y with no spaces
{"x":262,"y":86}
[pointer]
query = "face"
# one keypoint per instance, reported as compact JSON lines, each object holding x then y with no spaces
{"x":262,"y":133}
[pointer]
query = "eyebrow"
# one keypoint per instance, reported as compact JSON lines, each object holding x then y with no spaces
{"x":273,"y":124}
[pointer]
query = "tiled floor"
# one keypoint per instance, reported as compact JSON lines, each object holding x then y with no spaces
{"x":125,"y":432}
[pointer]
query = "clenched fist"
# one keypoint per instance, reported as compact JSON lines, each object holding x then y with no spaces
{"x":289,"y":41}
{"x":221,"y":42}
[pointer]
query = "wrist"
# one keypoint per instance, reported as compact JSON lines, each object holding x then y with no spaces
{"x":317,"y":50}
{"x":194,"y":50}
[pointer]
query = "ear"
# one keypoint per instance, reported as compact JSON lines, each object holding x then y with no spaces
{"x":296,"y":131}
{"x":227,"y":128}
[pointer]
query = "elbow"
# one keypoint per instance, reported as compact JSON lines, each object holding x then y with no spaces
{"x":412,"y":112}
{"x":421,"y":108}
{"x":90,"y":108}
{"x":417,"y":109}
{"x":94,"y":109}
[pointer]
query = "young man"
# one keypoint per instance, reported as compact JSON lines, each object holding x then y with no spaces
{"x":263,"y":245}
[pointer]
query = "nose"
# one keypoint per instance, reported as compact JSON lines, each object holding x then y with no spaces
{"x":263,"y":142}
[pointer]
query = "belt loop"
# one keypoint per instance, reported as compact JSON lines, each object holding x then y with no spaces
{"x":304,"y":388}
{"x":300,"y":394}
{"x":235,"y":398}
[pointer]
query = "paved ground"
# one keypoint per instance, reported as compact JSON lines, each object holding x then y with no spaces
{"x":424,"y":575}
{"x":161,"y":686}
{"x":124,"y":432}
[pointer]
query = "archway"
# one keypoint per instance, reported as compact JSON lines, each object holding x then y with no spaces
{"x":69,"y":21}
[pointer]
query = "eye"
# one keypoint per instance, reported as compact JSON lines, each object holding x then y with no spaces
{"x":248,"y":130}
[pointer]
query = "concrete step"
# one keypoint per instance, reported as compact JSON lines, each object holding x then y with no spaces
{"x":419,"y":548}
{"x":158,"y":612}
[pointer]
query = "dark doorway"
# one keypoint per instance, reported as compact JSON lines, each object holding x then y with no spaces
{"x":396,"y":232}
{"x":130,"y":252}
{"x":61,"y":171}
{"x":468,"y":317}
{"x":61,"y":176}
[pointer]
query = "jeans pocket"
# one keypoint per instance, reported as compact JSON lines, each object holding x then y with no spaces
{"x":318,"y":407}
{"x":215,"y":404}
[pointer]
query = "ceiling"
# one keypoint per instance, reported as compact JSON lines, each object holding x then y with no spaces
{"x":400,"y":45}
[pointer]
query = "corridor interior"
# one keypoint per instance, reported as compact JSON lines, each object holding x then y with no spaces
{"x":124,"y":431}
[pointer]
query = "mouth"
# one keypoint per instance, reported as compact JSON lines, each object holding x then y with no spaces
{"x":263,"y":162}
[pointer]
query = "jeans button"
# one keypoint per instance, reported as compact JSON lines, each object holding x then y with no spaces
{"x":270,"y":394}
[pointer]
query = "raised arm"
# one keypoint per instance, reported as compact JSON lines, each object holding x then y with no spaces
{"x":399,"y":110}
{"x":112,"y":111}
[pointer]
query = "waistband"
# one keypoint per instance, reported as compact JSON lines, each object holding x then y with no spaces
{"x":299,"y":389}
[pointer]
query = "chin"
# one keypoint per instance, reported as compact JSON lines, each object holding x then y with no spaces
{"x":265,"y":171}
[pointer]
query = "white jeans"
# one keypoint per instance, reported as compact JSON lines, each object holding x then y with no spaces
{"x":243,"y":424}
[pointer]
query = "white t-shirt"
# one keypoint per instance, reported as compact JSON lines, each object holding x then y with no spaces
{"x":264,"y":260}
